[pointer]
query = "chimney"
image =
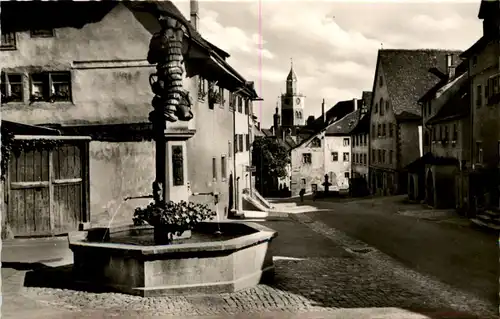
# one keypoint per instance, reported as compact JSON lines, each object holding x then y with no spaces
{"x":193,"y":6}
{"x":355,"y":102}
{"x":323,"y":114}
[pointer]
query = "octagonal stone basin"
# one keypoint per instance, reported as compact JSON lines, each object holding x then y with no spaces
{"x":237,"y":260}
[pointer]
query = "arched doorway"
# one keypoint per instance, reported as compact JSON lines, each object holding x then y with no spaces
{"x":430,"y":189}
{"x":411,"y":191}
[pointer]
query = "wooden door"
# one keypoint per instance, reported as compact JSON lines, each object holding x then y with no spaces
{"x":46,"y":192}
{"x":67,"y":188}
{"x":28,"y":211}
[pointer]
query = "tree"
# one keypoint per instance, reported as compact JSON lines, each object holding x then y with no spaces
{"x":270,"y":158}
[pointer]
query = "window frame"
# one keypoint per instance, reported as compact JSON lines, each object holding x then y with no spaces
{"x":8,"y":45}
{"x":345,"y":156}
{"x":346,"y":141}
{"x":7,"y":87}
{"x":334,"y":156}
{"x":306,"y":158}
{"x":223,"y":167}
{"x":39,"y":33}
{"x":47,"y":82}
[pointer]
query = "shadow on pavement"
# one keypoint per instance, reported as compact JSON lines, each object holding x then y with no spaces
{"x":332,"y":278}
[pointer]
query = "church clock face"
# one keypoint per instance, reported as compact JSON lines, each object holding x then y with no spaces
{"x":298,"y":100}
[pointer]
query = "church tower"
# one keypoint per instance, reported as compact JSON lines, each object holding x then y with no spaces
{"x":292,"y":104}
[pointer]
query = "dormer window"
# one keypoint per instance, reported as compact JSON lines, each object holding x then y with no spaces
{"x":316,"y":143}
{"x":8,"y":41}
{"x":42,"y":33}
{"x":381,"y":81}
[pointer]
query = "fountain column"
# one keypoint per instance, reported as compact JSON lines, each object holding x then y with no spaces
{"x":171,"y":104}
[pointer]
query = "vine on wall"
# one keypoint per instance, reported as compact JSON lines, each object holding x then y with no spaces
{"x":11,"y":146}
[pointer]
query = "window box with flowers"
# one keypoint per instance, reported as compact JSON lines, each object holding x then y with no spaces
{"x":214,"y":96}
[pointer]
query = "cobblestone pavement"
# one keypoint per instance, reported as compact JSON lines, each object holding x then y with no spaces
{"x":321,"y":278}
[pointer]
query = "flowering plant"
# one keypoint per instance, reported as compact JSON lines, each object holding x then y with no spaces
{"x":174,"y":217}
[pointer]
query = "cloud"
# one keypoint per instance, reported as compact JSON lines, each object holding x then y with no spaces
{"x":333,"y":44}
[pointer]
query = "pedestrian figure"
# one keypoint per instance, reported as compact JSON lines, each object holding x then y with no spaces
{"x":302,"y":193}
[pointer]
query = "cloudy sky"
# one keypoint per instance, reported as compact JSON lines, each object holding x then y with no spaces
{"x":333,"y":43}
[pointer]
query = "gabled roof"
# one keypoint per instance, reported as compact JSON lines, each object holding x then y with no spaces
{"x":335,"y":113}
{"x":345,"y":125}
{"x":27,"y":15}
{"x":407,"y":77}
{"x":457,"y":106}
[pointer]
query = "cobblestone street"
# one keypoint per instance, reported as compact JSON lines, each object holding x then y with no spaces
{"x":315,"y":276}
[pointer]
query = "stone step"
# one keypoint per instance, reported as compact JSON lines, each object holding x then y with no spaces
{"x":485,"y":224}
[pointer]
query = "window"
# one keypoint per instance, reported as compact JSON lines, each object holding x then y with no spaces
{"x":381,"y":106}
{"x":357,"y":158}
{"x":223,"y":167}
{"x":221,"y":98}
{"x":8,"y":41}
{"x":391,"y":155}
{"x":12,"y":88}
{"x":493,"y":87}
{"x":236,"y":148}
{"x":365,"y":159}
{"x":374,"y":159}
{"x":240,"y":104}
{"x":229,"y":149}
{"x":391,"y":130}
{"x":455,"y":132}
{"x":446,"y":133}
{"x":346,"y":141}
{"x":374,"y":133}
{"x":247,"y":106}
{"x":306,"y":158}
{"x":51,"y":86}
{"x":387,"y":105}
{"x":335,"y":156}
{"x":214,"y":168}
{"x":383,"y":156}
{"x":479,"y":152}
{"x":346,"y":156}
{"x":240,"y":143}
{"x":381,"y":81}
{"x":316,"y":142}
{"x":376,"y":108}
{"x":379,"y":130}
{"x":353,"y":159}
{"x":346,"y":174}
{"x":232,"y":101}
{"x":379,"y":156}
{"x":303,"y":182}
{"x":247,"y":142}
{"x":383,"y":130}
{"x":42,"y":33}
{"x":479,"y":96}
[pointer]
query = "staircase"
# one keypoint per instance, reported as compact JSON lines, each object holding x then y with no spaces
{"x":255,"y":201}
{"x":488,"y":218}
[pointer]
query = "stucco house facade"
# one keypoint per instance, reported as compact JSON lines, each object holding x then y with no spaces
{"x":326,"y":153}
{"x":401,"y":78}
{"x":81,"y":67}
{"x":483,"y":59}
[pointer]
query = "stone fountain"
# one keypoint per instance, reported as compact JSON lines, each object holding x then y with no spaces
{"x":215,"y":256}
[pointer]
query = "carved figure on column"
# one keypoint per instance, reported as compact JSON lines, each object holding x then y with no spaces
{"x":171,"y":101}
